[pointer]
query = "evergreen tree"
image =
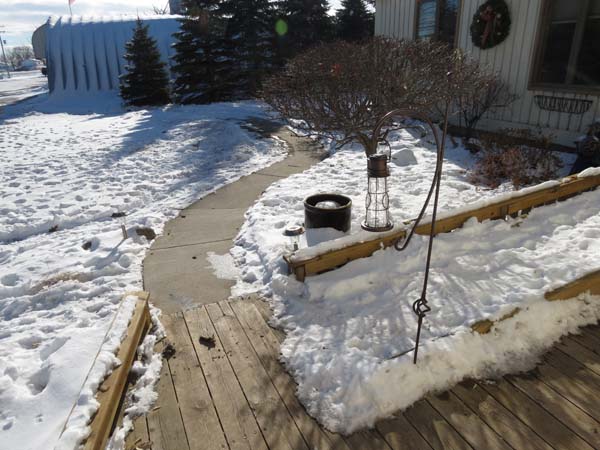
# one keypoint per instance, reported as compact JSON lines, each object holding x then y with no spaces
{"x":306,"y":23}
{"x":146,"y":81}
{"x":250,"y":43}
{"x":354,"y":21}
{"x":200,"y":65}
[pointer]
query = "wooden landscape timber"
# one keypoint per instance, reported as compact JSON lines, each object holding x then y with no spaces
{"x":111,"y":390}
{"x":589,"y":283}
{"x":303,"y":267}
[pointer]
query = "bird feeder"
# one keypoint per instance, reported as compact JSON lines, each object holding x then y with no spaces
{"x":377,"y":201}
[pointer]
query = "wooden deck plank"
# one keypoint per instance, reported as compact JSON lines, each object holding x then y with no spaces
{"x":263,"y":308}
{"x":139,"y":437}
{"x":588,"y":340}
{"x":367,"y":440}
{"x":237,"y":419}
{"x":468,"y":424}
{"x":165,"y":425}
{"x":589,"y":358}
{"x":273,"y":418}
{"x":434,"y":428}
{"x":266,"y":346}
{"x":566,"y":412}
{"x":200,"y":419}
{"x":572,"y":380}
{"x":401,"y":435}
{"x":516,"y":433}
{"x":534,"y":416}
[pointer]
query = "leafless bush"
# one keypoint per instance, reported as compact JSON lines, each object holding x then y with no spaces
{"x":17,"y":55}
{"x":343,"y":89}
{"x":489,"y":93}
{"x":521,"y":156}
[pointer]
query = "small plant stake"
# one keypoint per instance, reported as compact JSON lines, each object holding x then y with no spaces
{"x":123,"y":218}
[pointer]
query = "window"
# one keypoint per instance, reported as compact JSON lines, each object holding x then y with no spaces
{"x":568,"y":51}
{"x":437,"y":19}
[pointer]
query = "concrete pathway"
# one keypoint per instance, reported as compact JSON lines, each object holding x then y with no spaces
{"x":176,"y":270}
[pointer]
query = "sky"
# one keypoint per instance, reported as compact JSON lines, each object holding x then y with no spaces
{"x":18,"y":18}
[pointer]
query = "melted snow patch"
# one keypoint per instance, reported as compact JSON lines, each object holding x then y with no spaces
{"x":223,"y":266}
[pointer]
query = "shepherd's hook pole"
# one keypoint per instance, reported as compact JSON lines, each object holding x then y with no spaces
{"x":421,"y":307}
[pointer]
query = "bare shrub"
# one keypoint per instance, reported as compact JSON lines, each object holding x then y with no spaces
{"x":518,"y":155}
{"x":343,"y":89}
{"x":489,"y":93}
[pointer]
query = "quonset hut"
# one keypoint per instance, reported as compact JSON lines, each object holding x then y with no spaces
{"x":86,"y":54}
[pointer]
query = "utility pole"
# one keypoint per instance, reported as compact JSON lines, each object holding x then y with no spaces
{"x":4,"y":54}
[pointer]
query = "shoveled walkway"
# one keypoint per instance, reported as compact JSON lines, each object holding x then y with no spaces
{"x":176,"y":270}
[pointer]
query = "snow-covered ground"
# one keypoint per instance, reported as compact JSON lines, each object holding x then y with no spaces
{"x":62,"y":177}
{"x":350,"y":332}
{"x":21,"y":85}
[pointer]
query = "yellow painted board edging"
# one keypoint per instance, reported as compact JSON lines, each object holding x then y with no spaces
{"x":531,"y":198}
{"x":588,"y":283}
{"x":111,"y":389}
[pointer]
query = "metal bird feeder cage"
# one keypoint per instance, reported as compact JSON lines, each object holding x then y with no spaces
{"x":377,"y":201}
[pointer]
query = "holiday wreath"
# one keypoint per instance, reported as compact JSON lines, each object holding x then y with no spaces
{"x":491,"y":24}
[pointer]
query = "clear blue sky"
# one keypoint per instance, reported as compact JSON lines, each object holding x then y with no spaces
{"x":20,"y":18}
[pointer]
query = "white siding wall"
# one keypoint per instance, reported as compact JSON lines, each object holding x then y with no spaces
{"x":512,"y":60}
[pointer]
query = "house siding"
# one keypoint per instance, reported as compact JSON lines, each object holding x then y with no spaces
{"x":512,"y":59}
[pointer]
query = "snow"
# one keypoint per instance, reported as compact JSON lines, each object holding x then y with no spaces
{"x":590,"y":172}
{"x":21,"y":85}
{"x":70,"y":172}
{"x":350,"y":332}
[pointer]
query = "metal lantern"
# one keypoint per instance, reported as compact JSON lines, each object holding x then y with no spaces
{"x":377,"y":201}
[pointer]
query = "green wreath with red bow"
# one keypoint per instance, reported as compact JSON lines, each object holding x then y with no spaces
{"x":491,"y":24}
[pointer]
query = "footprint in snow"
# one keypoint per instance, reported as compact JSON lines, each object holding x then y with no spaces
{"x":56,"y":344}
{"x":39,"y":380}
{"x":10,"y":280}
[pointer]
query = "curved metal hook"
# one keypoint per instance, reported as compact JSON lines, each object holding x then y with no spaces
{"x":420,"y":307}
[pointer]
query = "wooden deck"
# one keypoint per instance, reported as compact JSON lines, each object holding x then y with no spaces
{"x":234,"y":394}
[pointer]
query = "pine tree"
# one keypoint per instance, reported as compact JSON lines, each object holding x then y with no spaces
{"x":146,"y":81}
{"x":200,"y":65}
{"x":250,"y":43}
{"x":306,"y":23}
{"x":354,"y":21}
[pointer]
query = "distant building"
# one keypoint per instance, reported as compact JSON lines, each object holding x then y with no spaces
{"x":86,"y":54}
{"x":38,"y":42}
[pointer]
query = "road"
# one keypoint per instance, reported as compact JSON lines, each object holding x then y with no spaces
{"x":21,"y":85}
